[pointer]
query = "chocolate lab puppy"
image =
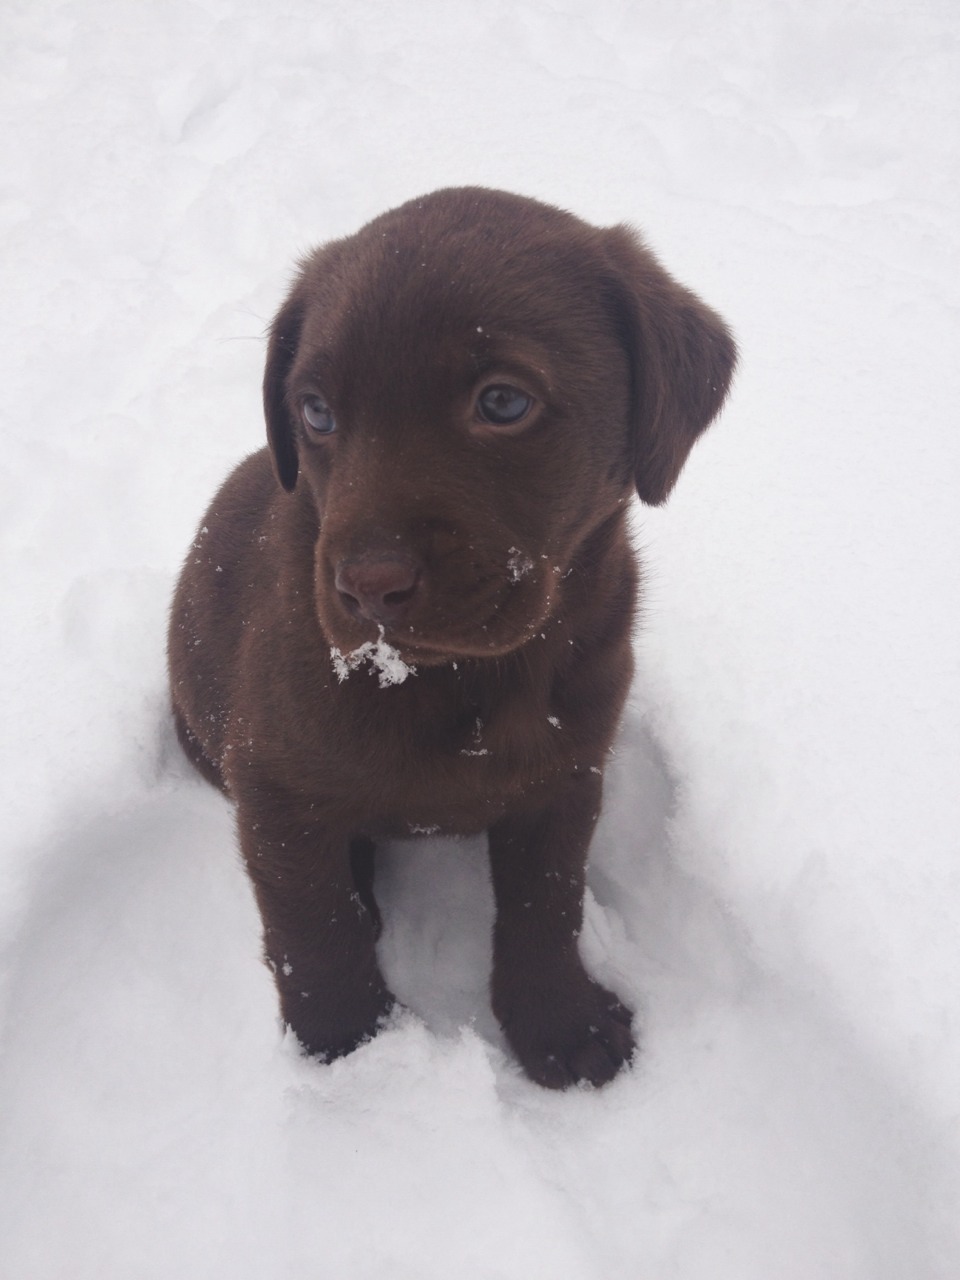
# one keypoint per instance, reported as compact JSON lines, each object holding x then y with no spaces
{"x":413,"y":611}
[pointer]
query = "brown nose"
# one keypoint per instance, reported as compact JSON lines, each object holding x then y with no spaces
{"x":378,"y":586}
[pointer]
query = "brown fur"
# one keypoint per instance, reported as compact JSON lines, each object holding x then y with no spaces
{"x":494,"y":556}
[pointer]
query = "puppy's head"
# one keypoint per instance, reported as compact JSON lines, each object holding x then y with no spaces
{"x":469,"y":388}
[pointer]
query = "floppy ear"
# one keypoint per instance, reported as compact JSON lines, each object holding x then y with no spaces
{"x":281,"y":349}
{"x":682,"y":358}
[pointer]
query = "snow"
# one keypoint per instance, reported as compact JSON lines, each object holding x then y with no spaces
{"x":776,"y":879}
{"x":518,"y":565}
{"x":383,"y":658}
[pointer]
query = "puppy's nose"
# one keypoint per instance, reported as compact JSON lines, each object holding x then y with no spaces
{"x":378,"y":586}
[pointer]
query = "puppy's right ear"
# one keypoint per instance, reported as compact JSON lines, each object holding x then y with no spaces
{"x":281,"y":349}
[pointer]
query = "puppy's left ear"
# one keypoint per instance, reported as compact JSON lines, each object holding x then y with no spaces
{"x":682,"y":358}
{"x":281,"y":350}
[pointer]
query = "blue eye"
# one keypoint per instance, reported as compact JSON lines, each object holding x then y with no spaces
{"x":503,"y":405}
{"x":318,"y":416}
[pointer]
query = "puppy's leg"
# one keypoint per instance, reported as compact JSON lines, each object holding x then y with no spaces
{"x":563,"y":1026}
{"x":318,"y":935}
{"x":363,"y":865}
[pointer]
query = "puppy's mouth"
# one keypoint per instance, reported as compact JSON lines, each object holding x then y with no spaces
{"x":417,"y":647}
{"x":441,"y":650}
{"x":427,"y":626}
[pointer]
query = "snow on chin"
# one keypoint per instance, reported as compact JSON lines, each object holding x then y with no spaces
{"x":519,"y":565}
{"x":385,"y":660}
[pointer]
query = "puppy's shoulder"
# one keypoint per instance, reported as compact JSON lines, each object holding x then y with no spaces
{"x":251,"y":515}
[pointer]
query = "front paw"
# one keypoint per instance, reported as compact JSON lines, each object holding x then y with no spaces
{"x":331,"y":1029}
{"x":575,"y":1034}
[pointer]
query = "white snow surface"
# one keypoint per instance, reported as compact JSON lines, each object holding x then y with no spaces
{"x":775,"y":883}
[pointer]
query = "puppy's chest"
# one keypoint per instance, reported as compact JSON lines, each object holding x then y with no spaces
{"x":456,"y":764}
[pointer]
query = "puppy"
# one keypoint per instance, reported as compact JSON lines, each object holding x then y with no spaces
{"x":413,"y":611}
